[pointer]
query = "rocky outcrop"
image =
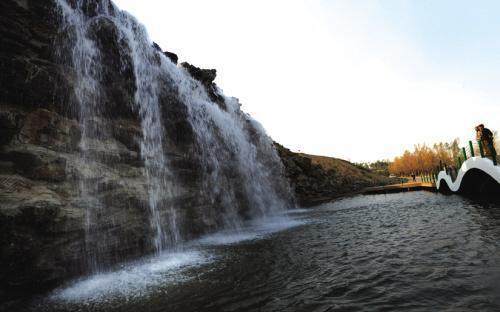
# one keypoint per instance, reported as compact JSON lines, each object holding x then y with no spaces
{"x":314,"y":184}
{"x":207,"y":78}
{"x":172,"y":56}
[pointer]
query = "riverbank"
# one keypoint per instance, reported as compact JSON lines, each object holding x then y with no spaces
{"x":319,"y":179}
{"x":401,"y":188}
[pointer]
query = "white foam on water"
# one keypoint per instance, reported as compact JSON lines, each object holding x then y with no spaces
{"x":132,"y":281}
{"x":275,"y":224}
{"x":297,"y":211}
{"x":257,"y":229}
{"x":226,"y":238}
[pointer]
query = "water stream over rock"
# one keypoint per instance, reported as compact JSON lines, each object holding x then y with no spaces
{"x":240,"y":173}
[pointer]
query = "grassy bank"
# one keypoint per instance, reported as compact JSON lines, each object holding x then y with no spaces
{"x":318,"y":179}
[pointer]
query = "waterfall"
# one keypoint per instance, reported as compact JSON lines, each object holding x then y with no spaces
{"x":147,"y":78}
{"x":88,"y":66}
{"x":240,"y":171}
{"x":226,"y":145}
{"x":86,"y":63}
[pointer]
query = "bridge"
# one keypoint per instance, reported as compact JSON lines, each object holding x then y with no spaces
{"x":476,"y":174}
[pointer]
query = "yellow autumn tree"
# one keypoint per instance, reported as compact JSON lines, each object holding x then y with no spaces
{"x":425,"y":159}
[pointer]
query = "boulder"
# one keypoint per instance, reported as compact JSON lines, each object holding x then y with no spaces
{"x":207,"y":78}
{"x":172,"y":56}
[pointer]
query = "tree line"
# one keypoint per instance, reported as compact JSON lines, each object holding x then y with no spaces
{"x":422,"y":159}
{"x":380,"y":166}
{"x":426,"y":159}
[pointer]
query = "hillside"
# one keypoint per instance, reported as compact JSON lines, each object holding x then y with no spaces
{"x":317,"y":179}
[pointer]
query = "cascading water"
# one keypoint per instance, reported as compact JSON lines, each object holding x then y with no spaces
{"x":86,"y":62}
{"x":226,"y":146}
{"x":241,"y":173}
{"x":88,"y":66}
{"x":147,"y":77}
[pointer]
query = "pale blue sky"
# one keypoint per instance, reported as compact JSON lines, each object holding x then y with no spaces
{"x":456,"y":36}
{"x":357,"y":79}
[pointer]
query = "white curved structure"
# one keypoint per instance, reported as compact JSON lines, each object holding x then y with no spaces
{"x":483,"y":164}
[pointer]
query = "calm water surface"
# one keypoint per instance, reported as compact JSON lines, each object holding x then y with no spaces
{"x":402,"y":252}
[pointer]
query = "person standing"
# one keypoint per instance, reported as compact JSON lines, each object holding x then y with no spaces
{"x":485,"y":137}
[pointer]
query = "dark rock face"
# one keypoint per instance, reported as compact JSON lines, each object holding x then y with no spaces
{"x":28,"y":75}
{"x":207,"y":78}
{"x":118,"y":73}
{"x":172,"y":56}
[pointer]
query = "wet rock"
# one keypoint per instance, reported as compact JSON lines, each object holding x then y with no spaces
{"x":36,"y":163}
{"x":128,"y":133}
{"x":9,"y":125}
{"x":118,"y":74}
{"x":46,"y":128}
{"x":207,"y":78}
{"x":32,"y":218}
{"x":29,"y":77}
{"x":172,"y":56}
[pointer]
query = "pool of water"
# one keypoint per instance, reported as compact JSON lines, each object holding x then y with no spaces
{"x":402,"y":252}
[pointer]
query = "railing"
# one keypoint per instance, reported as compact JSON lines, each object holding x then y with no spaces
{"x":429,"y":177}
{"x":473,"y":149}
{"x":476,"y":149}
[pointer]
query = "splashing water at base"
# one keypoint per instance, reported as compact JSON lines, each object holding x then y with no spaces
{"x":133,"y":280}
{"x":141,"y":279}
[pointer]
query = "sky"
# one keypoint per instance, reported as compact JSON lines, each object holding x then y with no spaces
{"x":361,"y":80}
